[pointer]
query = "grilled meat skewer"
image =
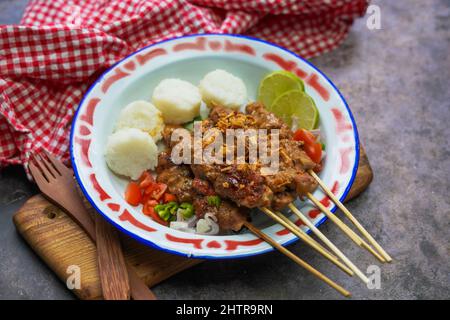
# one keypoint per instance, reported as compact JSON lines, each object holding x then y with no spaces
{"x":181,"y":182}
{"x":245,"y":184}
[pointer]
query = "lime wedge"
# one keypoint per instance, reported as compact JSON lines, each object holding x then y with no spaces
{"x":296,"y":109}
{"x":275,"y":84}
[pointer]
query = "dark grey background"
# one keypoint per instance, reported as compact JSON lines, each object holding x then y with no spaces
{"x":396,"y":80}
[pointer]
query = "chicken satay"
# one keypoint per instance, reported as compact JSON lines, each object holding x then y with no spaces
{"x":245,"y":185}
{"x":181,"y":183}
{"x":178,"y":178}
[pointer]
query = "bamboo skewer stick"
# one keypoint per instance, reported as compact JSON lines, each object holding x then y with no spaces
{"x":333,"y":248}
{"x":293,"y":225}
{"x":296,"y":259}
{"x":341,"y":225}
{"x":351,"y":217}
{"x":307,"y":239}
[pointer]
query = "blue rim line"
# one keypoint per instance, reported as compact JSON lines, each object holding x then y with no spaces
{"x":208,"y":257}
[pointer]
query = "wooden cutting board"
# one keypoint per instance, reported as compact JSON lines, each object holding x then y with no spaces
{"x":61,"y":243}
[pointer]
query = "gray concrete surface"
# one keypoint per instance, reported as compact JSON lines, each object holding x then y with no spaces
{"x":396,"y":80}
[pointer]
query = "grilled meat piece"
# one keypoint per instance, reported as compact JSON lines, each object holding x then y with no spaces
{"x":282,"y":199}
{"x":304,"y":183}
{"x":219,"y":112}
{"x":245,"y":187}
{"x":265,"y":119}
{"x":229,"y":217}
{"x":294,"y":150}
{"x":203,"y":187}
{"x":164,"y":162}
{"x":282,"y":180}
{"x":178,"y":178}
{"x":294,"y":162}
{"x":167,"y":133}
{"x":205,"y":171}
{"x":291,"y":173}
{"x":181,"y":183}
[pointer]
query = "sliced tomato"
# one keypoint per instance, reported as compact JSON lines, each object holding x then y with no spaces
{"x":168,"y":197}
{"x":150,"y":211}
{"x":149,"y":197}
{"x":151,"y":203}
{"x":314,"y":151}
{"x":305,"y":136}
{"x":133,"y":194}
{"x":156,"y":190}
{"x":312,"y":148}
{"x":145,"y":180}
{"x":143,"y":176}
{"x":145,"y":198}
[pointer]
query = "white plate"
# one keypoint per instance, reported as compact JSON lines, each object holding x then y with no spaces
{"x":189,"y":58}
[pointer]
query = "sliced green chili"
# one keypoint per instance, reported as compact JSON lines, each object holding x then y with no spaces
{"x":167,"y":211}
{"x":186,"y":209}
{"x":214,"y":201}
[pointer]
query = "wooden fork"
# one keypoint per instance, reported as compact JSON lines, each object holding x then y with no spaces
{"x":56,"y":182}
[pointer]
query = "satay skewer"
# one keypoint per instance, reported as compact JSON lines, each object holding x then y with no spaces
{"x":333,"y":248}
{"x":296,"y":259}
{"x":351,"y":217}
{"x":341,"y":225}
{"x":293,"y":225}
{"x":307,"y":239}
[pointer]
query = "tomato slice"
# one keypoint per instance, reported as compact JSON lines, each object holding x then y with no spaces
{"x":149,"y":197}
{"x":312,"y":148}
{"x":314,"y":151}
{"x":168,"y":197}
{"x":156,"y":190}
{"x":151,"y":203}
{"x":150,"y":211}
{"x":145,"y":198}
{"x":145,"y":180}
{"x":305,"y":136}
{"x":133,"y":194}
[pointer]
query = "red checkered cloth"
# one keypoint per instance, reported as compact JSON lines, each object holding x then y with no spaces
{"x":61,"y":46}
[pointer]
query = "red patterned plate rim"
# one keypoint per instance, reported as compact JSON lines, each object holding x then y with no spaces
{"x":209,"y":247}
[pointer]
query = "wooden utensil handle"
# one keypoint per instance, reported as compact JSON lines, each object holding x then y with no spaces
{"x":76,"y":210}
{"x":79,"y":214}
{"x":111,"y":263}
{"x":139,"y":290}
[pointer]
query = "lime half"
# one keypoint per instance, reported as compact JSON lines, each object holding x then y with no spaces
{"x":296,"y":108}
{"x":275,"y":84}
